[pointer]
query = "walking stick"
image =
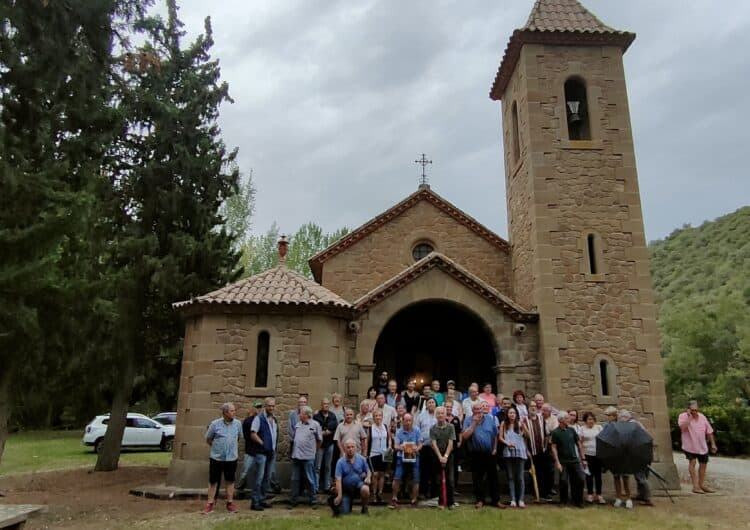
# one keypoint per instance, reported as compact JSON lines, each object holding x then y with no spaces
{"x":445,"y":490}
{"x":532,"y":471}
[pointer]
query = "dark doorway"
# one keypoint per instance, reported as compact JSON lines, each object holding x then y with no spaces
{"x":436,"y":340}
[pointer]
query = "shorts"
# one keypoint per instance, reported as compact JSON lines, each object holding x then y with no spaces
{"x":377,"y":463}
{"x":702,"y":459}
{"x":408,"y":468}
{"x":218,"y":467}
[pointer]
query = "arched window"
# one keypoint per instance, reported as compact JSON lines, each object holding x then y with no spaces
{"x":421,"y":250}
{"x":261,"y":360}
{"x":577,"y":110}
{"x":604,"y":372}
{"x":591,"y":252}
{"x":515,"y":140}
{"x":604,"y":377}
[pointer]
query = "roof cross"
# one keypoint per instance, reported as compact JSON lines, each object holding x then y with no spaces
{"x":423,"y":162}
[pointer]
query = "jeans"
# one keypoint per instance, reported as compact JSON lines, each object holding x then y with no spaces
{"x":323,"y":459}
{"x":516,"y":484}
{"x":306,"y":469}
{"x":244,"y":481}
{"x":261,"y":470}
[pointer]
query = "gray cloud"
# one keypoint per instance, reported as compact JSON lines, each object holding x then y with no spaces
{"x":334,"y":100}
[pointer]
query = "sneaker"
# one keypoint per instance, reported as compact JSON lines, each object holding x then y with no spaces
{"x":618,"y":503}
{"x":521,"y":504}
{"x":629,"y":504}
{"x":209,"y":508}
{"x":264,"y":504}
{"x":394,"y":504}
{"x":459,"y":469}
{"x":513,"y":504}
{"x":589,"y":498}
{"x":231,"y":507}
{"x":256,"y":507}
{"x":601,"y":500}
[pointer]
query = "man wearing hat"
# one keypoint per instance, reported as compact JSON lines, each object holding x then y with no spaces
{"x":457,"y":394}
{"x":247,"y":423}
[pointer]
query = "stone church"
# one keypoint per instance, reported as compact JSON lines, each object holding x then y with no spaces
{"x":563,"y":306}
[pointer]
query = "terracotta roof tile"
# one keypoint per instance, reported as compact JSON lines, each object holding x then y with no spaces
{"x":564,"y":15}
{"x":276,"y":286}
{"x":557,"y":22}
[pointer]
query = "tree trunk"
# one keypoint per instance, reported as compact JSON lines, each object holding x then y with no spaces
{"x":5,"y":377}
{"x":109,"y":456}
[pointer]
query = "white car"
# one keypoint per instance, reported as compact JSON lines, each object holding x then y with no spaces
{"x":167,"y":420}
{"x":140,"y":431}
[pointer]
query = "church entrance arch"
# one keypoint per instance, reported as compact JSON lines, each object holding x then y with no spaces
{"x":436,"y":339}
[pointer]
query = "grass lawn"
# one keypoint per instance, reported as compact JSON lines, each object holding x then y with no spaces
{"x":547,"y":517}
{"x":48,"y":450}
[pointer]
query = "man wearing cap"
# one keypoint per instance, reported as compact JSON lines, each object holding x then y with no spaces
{"x":695,"y":429}
{"x":247,"y":425}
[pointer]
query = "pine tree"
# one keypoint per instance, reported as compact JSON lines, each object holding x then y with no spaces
{"x":169,"y":175}
{"x":53,"y":123}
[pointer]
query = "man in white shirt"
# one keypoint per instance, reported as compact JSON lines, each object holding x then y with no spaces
{"x":472,"y":400}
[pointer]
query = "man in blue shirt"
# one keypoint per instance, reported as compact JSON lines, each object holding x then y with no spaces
{"x":480,"y":435}
{"x":352,"y":479}
{"x":407,"y":445}
{"x":222,"y":436}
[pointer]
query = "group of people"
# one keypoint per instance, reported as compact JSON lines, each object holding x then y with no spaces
{"x":424,"y":438}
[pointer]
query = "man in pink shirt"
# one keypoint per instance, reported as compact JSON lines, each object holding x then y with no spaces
{"x":695,"y":428}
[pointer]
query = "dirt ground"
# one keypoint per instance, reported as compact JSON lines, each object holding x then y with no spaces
{"x":85,"y":500}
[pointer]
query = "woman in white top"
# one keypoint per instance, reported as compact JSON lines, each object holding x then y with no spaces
{"x":588,"y":433}
{"x":380,"y":441}
{"x":454,"y":405}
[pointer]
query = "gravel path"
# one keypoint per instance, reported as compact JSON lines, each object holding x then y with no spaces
{"x":730,"y":476}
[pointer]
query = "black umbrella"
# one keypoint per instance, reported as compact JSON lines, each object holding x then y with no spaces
{"x":624,"y":447}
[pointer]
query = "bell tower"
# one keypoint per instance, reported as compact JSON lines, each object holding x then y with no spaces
{"x":578,"y":245}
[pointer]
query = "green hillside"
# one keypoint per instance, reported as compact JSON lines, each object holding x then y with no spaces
{"x":702,"y":280}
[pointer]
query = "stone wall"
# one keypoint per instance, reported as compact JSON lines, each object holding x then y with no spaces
{"x":569,"y":189}
{"x":307,"y":355}
{"x":388,"y":250}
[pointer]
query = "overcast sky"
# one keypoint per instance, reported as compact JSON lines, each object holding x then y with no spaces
{"x":334,"y":100}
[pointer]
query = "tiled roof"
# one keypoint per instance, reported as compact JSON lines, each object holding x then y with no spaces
{"x":436,"y":260}
{"x":424,"y":193}
{"x":564,"y":15}
{"x":278,"y":286}
{"x":557,"y":22}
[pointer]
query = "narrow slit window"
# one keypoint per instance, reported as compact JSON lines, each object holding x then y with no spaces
{"x":591,"y":252}
{"x":515,"y":140}
{"x":261,"y":360}
{"x":604,"y":377}
{"x":576,"y":110}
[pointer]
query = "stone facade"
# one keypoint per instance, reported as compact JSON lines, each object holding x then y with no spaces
{"x":567,"y":306}
{"x":388,"y":250}
{"x":559,"y":191}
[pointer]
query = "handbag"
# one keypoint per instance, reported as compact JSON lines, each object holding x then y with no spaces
{"x":388,"y":454}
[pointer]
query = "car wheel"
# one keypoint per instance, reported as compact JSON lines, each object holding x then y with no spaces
{"x":98,"y":445}
{"x":167,"y":443}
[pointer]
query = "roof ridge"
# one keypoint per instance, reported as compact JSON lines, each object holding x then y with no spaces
{"x":396,"y":210}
